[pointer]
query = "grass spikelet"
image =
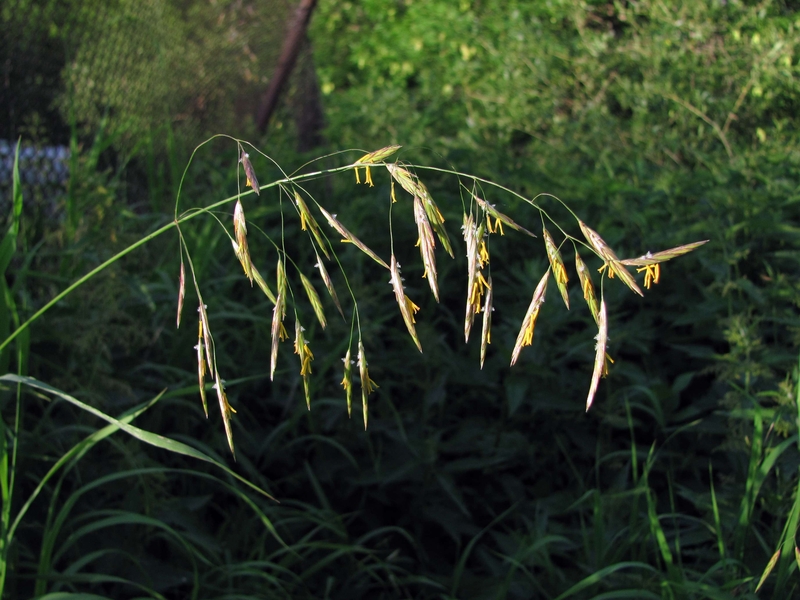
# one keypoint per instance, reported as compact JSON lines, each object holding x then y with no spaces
{"x":477,"y":257}
{"x":250,"y":173}
{"x":499,"y":219}
{"x":313,"y":298}
{"x":304,"y":352}
{"x":556,"y":265}
{"x":181,"y":291}
{"x":486,"y":333}
{"x":349,"y":237}
{"x":768,"y":569}
{"x":378,"y":155}
{"x":525,"y":336}
{"x":589,"y":295}
{"x":650,"y":263}
{"x":240,"y":248}
{"x":278,"y":331}
{"x":417,"y":189}
{"x":367,"y":385}
{"x":201,"y":367}
{"x":225,"y":410}
{"x":426,"y":245}
{"x":347,"y":382}
{"x":600,"y":354}
{"x":407,"y":307}
{"x":612,"y":262}
{"x":323,"y":272}
{"x":309,"y":223}
{"x":206,"y":337}
{"x":263,"y":285}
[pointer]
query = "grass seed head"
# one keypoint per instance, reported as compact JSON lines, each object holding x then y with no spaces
{"x":525,"y":336}
{"x":347,"y":382}
{"x":277,"y":331}
{"x":556,"y":265}
{"x":240,"y":247}
{"x":486,"y":333}
{"x":225,"y":409}
{"x":201,"y":367}
{"x":407,"y":307}
{"x":367,"y":385}
{"x":600,"y":354}
{"x":499,"y":218}
{"x":378,"y":155}
{"x":308,"y":222}
{"x":349,"y":237}
{"x":612,"y":262}
{"x":207,"y":343}
{"x":313,"y":298}
{"x":477,"y":257}
{"x":589,"y":295}
{"x":323,"y":272}
{"x":250,"y":173}
{"x":426,"y":245}
{"x":650,"y":263}
{"x":259,"y":279}
{"x":181,"y":291}
{"x":304,"y":352}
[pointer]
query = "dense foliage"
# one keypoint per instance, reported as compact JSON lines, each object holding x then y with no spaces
{"x":657,"y":123}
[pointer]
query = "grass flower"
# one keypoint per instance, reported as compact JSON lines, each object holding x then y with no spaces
{"x":347,"y":382}
{"x":207,"y":343}
{"x":304,"y":352}
{"x":278,"y":331}
{"x":225,"y":410}
{"x":326,"y":278}
{"x":525,"y":336}
{"x":313,"y":298}
{"x":201,"y":367}
{"x":263,"y":285}
{"x":240,"y":247}
{"x":309,"y":223}
{"x":600,"y":368}
{"x":426,"y":245}
{"x":650,"y":263}
{"x":250,"y":173}
{"x":477,"y":258}
{"x":612,"y":263}
{"x":499,"y":219}
{"x":556,"y":265}
{"x":181,"y":291}
{"x":407,"y":307}
{"x":349,"y":237}
{"x":588,"y":288}
{"x":367,"y":385}
{"x":486,"y":333}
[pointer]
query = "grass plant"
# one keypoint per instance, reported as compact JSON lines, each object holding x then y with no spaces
{"x":501,"y":501}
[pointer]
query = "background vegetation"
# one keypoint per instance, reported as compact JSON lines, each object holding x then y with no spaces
{"x":658,"y":123}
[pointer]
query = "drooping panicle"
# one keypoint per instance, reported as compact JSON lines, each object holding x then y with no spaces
{"x":201,"y":367}
{"x":347,"y":381}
